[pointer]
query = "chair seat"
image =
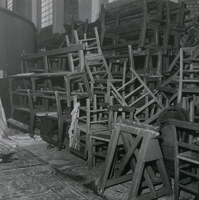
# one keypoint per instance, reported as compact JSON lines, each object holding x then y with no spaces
{"x":23,"y":109}
{"x":92,"y":56}
{"x":105,"y":136}
{"x":189,"y":156}
{"x":93,"y":128}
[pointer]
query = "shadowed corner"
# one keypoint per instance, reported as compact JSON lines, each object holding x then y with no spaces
{"x":7,"y":158}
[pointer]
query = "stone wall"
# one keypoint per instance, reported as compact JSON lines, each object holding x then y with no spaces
{"x":23,"y":7}
{"x":71,"y":9}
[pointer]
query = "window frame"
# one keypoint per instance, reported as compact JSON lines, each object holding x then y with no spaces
{"x":58,"y":16}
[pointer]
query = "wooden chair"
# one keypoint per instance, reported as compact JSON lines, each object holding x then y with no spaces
{"x":118,"y":69}
{"x":54,"y":125}
{"x":82,"y":88}
{"x":170,"y":84}
{"x":148,"y":105}
{"x":148,"y":64}
{"x":188,"y":80}
{"x":99,"y":141}
{"x":191,"y":35}
{"x":134,"y":23}
{"x":47,"y":61}
{"x":186,"y":151}
{"x":96,"y":65}
{"x":92,"y":118}
{"x":194,"y":109}
{"x":80,"y":26}
{"x":22,"y":101}
{"x":175,"y":13}
{"x":21,"y":117}
{"x":71,"y":83}
{"x":24,"y":111}
{"x":75,"y":59}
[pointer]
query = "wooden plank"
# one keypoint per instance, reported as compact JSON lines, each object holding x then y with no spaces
{"x":54,"y":52}
{"x":18,"y":124}
{"x":183,"y":124}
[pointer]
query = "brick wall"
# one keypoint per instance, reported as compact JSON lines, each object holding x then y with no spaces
{"x":71,"y":9}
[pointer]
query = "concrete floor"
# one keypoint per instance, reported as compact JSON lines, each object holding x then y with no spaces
{"x":75,"y":168}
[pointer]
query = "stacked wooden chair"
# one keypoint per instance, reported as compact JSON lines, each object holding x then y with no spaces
{"x":95,"y":63}
{"x":55,"y":124}
{"x":80,"y":26}
{"x":116,"y":85}
{"x":175,"y":13}
{"x":54,"y":81}
{"x":188,"y":80}
{"x":186,"y":157}
{"x":99,"y":141}
{"x":23,"y":108}
{"x":91,"y":118}
{"x":135,"y":92}
{"x":131,"y":25}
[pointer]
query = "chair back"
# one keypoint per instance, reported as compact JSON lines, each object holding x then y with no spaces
{"x":117,"y":112}
{"x":185,"y":136}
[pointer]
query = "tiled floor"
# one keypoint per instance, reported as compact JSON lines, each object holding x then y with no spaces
{"x":74,"y":167}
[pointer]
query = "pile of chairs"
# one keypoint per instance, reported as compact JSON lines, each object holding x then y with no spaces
{"x":42,"y":94}
{"x":142,"y":73}
{"x":130,"y":64}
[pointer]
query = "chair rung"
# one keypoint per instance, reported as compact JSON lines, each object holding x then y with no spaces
{"x":190,"y":189}
{"x":99,"y":72}
{"x":99,"y":155}
{"x":94,"y":63}
{"x":189,"y":174}
{"x":99,"y":143}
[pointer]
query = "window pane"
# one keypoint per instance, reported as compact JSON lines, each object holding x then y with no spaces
{"x":46,"y":13}
{"x":9,"y":4}
{"x":110,"y":1}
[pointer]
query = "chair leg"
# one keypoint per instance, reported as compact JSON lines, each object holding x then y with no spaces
{"x":32,"y":123}
{"x":93,"y":148}
{"x":90,"y":164}
{"x":108,"y":161}
{"x":163,"y":175}
{"x":176,"y":187}
{"x":144,"y":27}
{"x":60,"y":135}
{"x":102,"y":36}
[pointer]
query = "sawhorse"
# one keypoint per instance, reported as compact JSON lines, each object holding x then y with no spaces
{"x":142,"y":162}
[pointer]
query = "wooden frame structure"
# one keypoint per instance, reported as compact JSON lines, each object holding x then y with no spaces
{"x":141,"y":147}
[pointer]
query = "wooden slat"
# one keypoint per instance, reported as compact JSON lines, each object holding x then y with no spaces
{"x":18,"y":124}
{"x":53,"y":52}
